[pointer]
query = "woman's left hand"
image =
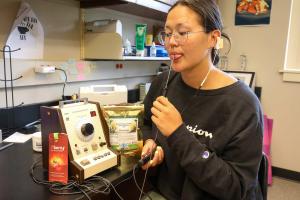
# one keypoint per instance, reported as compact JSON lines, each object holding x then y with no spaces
{"x":165,"y":116}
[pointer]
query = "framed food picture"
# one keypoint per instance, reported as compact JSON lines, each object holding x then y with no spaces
{"x":253,"y":12}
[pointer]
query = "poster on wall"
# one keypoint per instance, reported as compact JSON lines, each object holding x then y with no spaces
{"x":27,"y":33}
{"x":253,"y":12}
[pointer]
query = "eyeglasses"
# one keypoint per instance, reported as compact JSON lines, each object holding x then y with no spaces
{"x":180,"y":37}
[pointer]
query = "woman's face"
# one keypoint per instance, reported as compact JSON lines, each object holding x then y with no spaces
{"x":186,"y":52}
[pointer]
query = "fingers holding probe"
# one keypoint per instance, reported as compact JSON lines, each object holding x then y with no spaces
{"x":157,"y":158}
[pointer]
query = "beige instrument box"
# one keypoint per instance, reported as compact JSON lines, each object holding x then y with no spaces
{"x":89,"y":147}
{"x":105,"y":94}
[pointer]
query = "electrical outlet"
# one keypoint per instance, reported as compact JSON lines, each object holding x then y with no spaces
{"x":45,"y":69}
{"x":243,"y":62}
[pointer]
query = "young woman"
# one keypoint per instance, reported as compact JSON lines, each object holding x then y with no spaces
{"x":207,"y":129}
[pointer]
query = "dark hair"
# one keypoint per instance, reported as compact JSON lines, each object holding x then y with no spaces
{"x":209,"y":16}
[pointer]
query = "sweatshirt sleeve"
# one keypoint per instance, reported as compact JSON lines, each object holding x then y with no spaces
{"x":226,"y":176}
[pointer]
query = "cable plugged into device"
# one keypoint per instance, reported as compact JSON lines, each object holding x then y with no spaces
{"x":64,"y":97}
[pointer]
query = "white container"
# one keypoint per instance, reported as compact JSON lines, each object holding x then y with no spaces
{"x":128,"y":49}
{"x":153,"y":50}
{"x":37,"y":141}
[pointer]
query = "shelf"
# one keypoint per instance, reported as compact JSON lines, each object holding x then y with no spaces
{"x":133,"y":58}
{"x":146,"y":58}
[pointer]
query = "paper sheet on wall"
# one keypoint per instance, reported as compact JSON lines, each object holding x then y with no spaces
{"x":27,"y":33}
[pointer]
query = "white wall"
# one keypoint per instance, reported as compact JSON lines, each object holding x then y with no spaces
{"x":264,"y":47}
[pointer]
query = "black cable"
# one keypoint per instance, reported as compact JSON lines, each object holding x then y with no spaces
{"x":136,"y":183}
{"x":73,"y":187}
{"x":56,"y":187}
{"x":164,"y":93}
{"x":104,"y":180}
{"x":66,"y":79}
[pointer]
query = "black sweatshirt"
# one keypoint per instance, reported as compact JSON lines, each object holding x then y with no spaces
{"x":215,"y":153}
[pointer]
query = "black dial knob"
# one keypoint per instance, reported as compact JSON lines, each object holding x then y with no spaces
{"x":87,"y":129}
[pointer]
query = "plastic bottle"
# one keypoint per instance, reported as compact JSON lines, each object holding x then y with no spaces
{"x":153,"y":50}
{"x":128,"y":49}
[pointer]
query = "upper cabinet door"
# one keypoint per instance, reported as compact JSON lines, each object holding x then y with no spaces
{"x":156,"y":5}
{"x":172,"y":2}
{"x":165,"y":1}
{"x":159,"y":5}
{"x":152,"y":9}
{"x":132,"y":1}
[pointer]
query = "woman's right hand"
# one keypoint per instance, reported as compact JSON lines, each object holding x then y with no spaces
{"x":158,"y":155}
